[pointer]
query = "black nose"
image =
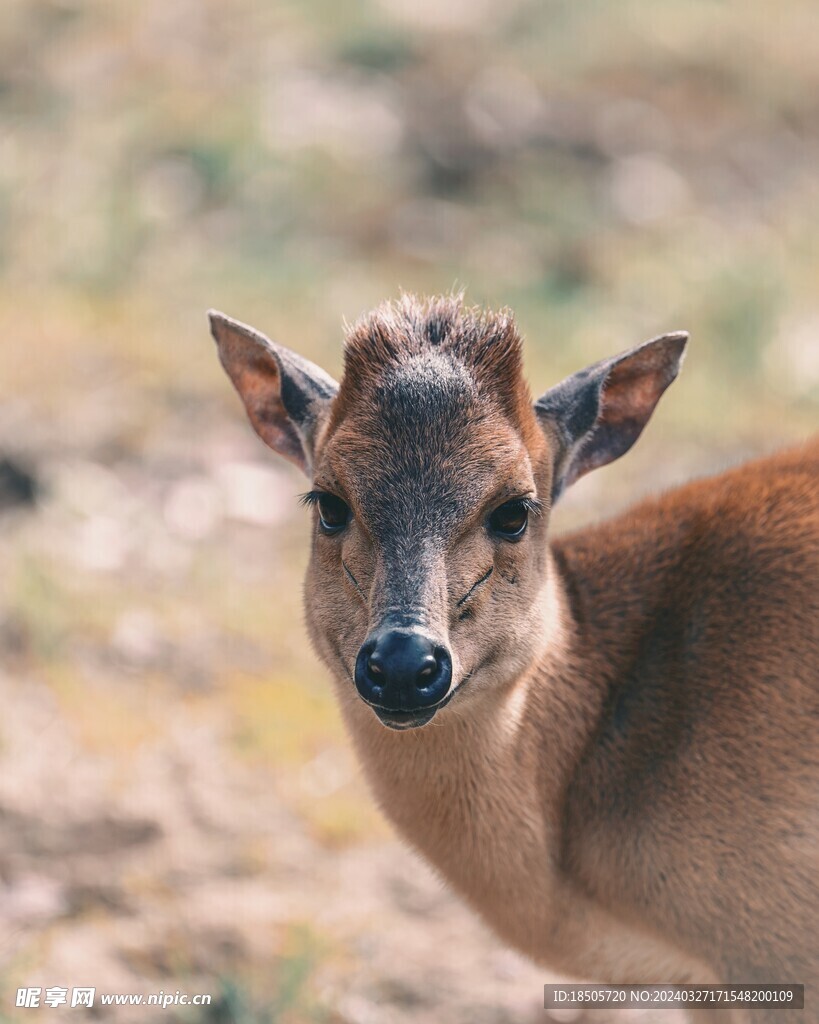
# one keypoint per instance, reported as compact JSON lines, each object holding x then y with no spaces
{"x":402,"y":670}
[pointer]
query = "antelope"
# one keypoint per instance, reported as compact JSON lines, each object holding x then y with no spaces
{"x":606,"y":743}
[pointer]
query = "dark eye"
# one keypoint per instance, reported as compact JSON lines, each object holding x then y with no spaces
{"x":334,"y":514}
{"x":510,"y":519}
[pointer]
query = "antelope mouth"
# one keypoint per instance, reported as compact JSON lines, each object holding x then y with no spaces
{"x":403,"y":720}
{"x":400,"y":721}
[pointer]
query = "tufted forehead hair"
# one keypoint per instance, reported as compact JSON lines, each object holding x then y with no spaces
{"x":441,"y":330}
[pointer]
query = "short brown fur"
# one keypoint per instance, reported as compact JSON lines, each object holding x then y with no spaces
{"x":625,"y":783}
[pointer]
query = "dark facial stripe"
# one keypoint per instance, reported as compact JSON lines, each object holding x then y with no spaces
{"x":475,"y":586}
{"x":354,"y":581}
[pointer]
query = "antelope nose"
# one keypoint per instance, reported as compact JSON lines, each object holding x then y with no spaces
{"x":401,"y":670}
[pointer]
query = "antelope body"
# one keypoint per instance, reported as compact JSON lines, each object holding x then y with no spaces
{"x":606,"y":744}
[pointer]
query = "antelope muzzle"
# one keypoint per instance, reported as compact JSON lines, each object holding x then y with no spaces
{"x":403,"y":675}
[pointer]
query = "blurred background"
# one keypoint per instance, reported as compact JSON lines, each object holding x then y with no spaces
{"x":179,"y":808}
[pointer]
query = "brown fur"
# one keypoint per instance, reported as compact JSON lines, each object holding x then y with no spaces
{"x":487,"y":342}
{"x":625,"y":783}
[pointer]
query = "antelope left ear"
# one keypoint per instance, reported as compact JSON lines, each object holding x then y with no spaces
{"x":596,"y":415}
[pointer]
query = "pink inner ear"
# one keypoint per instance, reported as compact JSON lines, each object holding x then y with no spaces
{"x":259,"y":384}
{"x":631,"y":395}
{"x":256,"y":376}
{"x":283,"y":394}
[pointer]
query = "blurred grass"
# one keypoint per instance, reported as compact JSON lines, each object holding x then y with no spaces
{"x":275,"y":716}
{"x":236,"y":1002}
{"x":281,"y":721}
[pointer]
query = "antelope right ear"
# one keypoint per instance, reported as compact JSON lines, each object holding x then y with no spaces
{"x":286,"y":397}
{"x":596,"y":415}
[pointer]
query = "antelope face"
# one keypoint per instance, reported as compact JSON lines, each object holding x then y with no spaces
{"x":432,"y":478}
{"x":428,"y":550}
